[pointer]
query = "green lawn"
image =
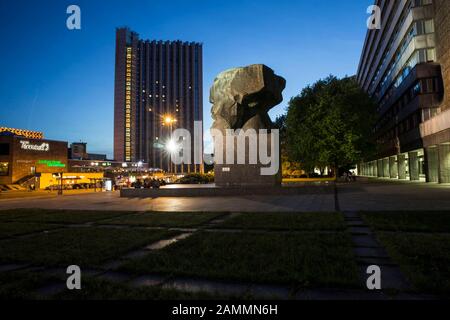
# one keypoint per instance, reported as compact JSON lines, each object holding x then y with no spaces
{"x":56,"y":216}
{"x":424,"y":258}
{"x":97,"y":289}
{"x":19,"y":285}
{"x":164,"y":219}
{"x":299,"y":260}
{"x":9,"y":229}
{"x":409,"y":221}
{"x":286,"y":221}
{"x":79,"y":246}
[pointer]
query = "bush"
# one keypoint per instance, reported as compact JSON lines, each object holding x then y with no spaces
{"x":196,"y":178}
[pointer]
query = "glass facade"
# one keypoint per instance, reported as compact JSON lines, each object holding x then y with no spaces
{"x":416,"y":46}
{"x":401,"y":69}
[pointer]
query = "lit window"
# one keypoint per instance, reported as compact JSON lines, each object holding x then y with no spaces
{"x":4,"y":168}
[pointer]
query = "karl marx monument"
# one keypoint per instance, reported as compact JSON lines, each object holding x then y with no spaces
{"x":246,"y":148}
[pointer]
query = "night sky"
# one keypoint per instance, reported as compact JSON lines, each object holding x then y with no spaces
{"x":61,"y":82}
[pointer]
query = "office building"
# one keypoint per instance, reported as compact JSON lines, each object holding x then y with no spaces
{"x":405,"y":66}
{"x":158,"y":88}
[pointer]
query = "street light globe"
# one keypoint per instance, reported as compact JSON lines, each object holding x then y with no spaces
{"x":171,"y":146}
{"x":168,"y":120}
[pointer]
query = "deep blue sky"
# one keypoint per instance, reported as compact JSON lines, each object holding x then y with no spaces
{"x":61,"y":82}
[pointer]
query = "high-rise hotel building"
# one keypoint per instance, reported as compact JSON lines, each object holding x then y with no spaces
{"x":405,"y":66}
{"x":158,"y":88}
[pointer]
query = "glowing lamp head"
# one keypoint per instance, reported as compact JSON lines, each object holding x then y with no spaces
{"x":168,"y":120}
{"x":171,"y":146}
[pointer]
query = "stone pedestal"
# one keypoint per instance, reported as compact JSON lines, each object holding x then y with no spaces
{"x":232,"y":172}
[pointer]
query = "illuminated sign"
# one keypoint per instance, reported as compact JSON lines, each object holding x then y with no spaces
{"x":26,"y":145}
{"x":52,"y":163}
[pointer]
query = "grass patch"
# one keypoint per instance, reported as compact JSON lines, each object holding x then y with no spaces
{"x":164,"y":219}
{"x":10,"y":229}
{"x":424,"y":258}
{"x":300,"y":260}
{"x":286,"y":221}
{"x":57,"y":216}
{"x":98,"y":289}
{"x":79,"y":246}
{"x":409,"y":221}
{"x":20,"y":285}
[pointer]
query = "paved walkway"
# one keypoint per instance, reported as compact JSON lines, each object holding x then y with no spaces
{"x":380,"y":195}
{"x":367,"y":196}
{"x":369,"y":251}
{"x":112,"y":201}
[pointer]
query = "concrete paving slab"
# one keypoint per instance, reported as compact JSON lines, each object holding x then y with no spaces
{"x":212,"y":287}
{"x":370,"y":252}
{"x":115,"y":276}
{"x":12,"y":267}
{"x":365,"y":241}
{"x":147,"y":281}
{"x":361,"y":230}
{"x":391,"y":278}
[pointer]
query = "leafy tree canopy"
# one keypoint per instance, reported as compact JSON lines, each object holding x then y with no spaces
{"x":330,"y":124}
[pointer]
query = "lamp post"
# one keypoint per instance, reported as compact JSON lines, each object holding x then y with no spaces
{"x":60,"y":190}
{"x":169,"y":121}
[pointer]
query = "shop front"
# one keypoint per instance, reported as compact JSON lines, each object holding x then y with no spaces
{"x":23,"y":159}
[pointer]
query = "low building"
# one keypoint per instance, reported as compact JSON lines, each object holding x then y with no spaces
{"x":52,"y":181}
{"x":78,"y":151}
{"x":22,"y":158}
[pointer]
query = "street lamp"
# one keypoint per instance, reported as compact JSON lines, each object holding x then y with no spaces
{"x":171,"y":146}
{"x":169,"y":120}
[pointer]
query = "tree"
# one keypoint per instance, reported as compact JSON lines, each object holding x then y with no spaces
{"x":289,"y":168}
{"x":329,"y":124}
{"x":280,"y":124}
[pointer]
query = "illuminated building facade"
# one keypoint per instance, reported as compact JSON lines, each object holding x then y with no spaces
{"x":21,"y":132}
{"x":23,"y":159}
{"x":405,"y":66}
{"x":158,"y":88}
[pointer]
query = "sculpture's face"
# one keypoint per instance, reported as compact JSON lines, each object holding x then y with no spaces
{"x":240,"y":94}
